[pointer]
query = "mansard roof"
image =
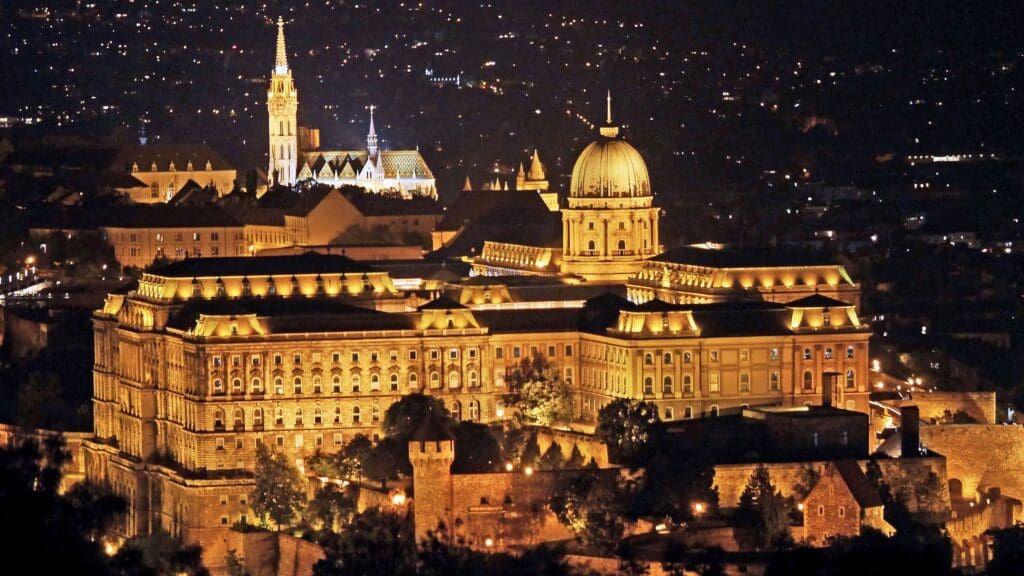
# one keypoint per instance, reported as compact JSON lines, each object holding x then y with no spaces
{"x":144,"y":156}
{"x":744,"y":257}
{"x":253,"y":266}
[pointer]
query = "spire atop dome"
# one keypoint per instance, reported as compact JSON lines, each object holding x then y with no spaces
{"x":609,"y":130}
{"x":281,"y":62}
{"x":371,"y":136}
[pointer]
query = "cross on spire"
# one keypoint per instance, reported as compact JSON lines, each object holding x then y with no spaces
{"x":371,"y":136}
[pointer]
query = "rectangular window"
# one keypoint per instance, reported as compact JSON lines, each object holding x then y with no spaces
{"x":279,"y":441}
{"x":393,"y":355}
{"x":669,"y":414}
{"x":298,"y":440}
{"x":220,"y":443}
{"x":435,"y":354}
{"x":773,"y":354}
{"x":297,"y":359}
{"x":744,"y":382}
{"x":336,"y":357}
{"x":239,"y":443}
{"x":218,"y":361}
{"x":214,"y":250}
{"x":499,"y":352}
{"x":516,"y":352}
{"x":374,"y":357}
{"x":453,"y":353}
{"x":551,"y":350}
{"x":214,"y":236}
{"x":744,"y":355}
{"x":355,"y":357}
{"x":568,"y":349}
{"x":773,"y":381}
{"x":713,"y":356}
{"x":337,"y":438}
{"x":319,"y":440}
{"x":278,"y":359}
{"x":196,"y":236}
{"x":471,"y":352}
{"x":316,"y":357}
{"x":412,"y":355}
{"x":714,"y":384}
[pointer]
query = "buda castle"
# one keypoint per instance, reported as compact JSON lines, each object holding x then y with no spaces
{"x":295,"y":153}
{"x":207,"y":358}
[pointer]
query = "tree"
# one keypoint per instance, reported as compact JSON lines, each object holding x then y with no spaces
{"x":280,"y":490}
{"x":375,"y":544}
{"x":234,"y":564}
{"x":331,"y":507}
{"x":763,"y":513}
{"x":531,"y":452}
{"x":156,"y":555}
{"x":592,"y":507}
{"x":403,"y":417}
{"x":576,"y":460}
{"x":808,"y":477}
{"x":40,"y":402}
{"x":540,"y":395}
{"x":346,"y":463}
{"x":476,"y":449}
{"x":50,"y":532}
{"x":388,"y":461}
{"x":628,"y":428}
{"x":552,"y":458}
{"x":957,"y":417}
{"x":1007,"y":550}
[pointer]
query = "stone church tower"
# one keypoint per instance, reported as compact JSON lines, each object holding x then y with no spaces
{"x":432,"y":452}
{"x":282,"y":106}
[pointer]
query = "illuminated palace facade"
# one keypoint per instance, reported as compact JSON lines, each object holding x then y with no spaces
{"x":295,"y":153}
{"x":207,"y":358}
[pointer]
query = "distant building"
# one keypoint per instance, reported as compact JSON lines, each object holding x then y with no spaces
{"x":155,"y":173}
{"x":295,"y":153}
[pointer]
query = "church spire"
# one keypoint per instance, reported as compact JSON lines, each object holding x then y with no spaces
{"x":468,"y":185}
{"x":608,"y":121}
{"x":281,"y":62}
{"x":371,"y":136}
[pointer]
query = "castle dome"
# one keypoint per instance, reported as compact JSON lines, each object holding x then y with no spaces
{"x":609,"y":168}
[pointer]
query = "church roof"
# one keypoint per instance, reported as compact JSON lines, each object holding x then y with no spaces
{"x":401,"y":162}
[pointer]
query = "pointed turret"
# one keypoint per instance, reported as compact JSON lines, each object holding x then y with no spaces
{"x":281,"y":62}
{"x":371,"y":136}
{"x":505,"y":186}
{"x":536,"y":169}
{"x":468,"y":185}
{"x":522,"y":173}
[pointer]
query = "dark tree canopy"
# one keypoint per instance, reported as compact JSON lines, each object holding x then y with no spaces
{"x":763,"y":515}
{"x":629,"y":428}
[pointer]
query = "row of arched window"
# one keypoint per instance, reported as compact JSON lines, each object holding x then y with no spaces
{"x":355,"y":383}
{"x":298,"y":416}
{"x":829,"y":354}
{"x":850,"y":380}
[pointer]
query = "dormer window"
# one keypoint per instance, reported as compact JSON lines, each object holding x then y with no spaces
{"x":189,"y":168}
{"x":171,"y":167}
{"x":209,"y":166}
{"x":826,"y":317}
{"x":152,"y":167}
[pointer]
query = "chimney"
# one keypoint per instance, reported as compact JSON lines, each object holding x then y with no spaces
{"x":910,"y":431}
{"x":828,"y":386}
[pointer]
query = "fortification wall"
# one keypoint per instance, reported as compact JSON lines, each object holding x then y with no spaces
{"x":588,"y":444}
{"x":980,"y":457}
{"x":978,"y":405}
{"x":731,"y":479}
